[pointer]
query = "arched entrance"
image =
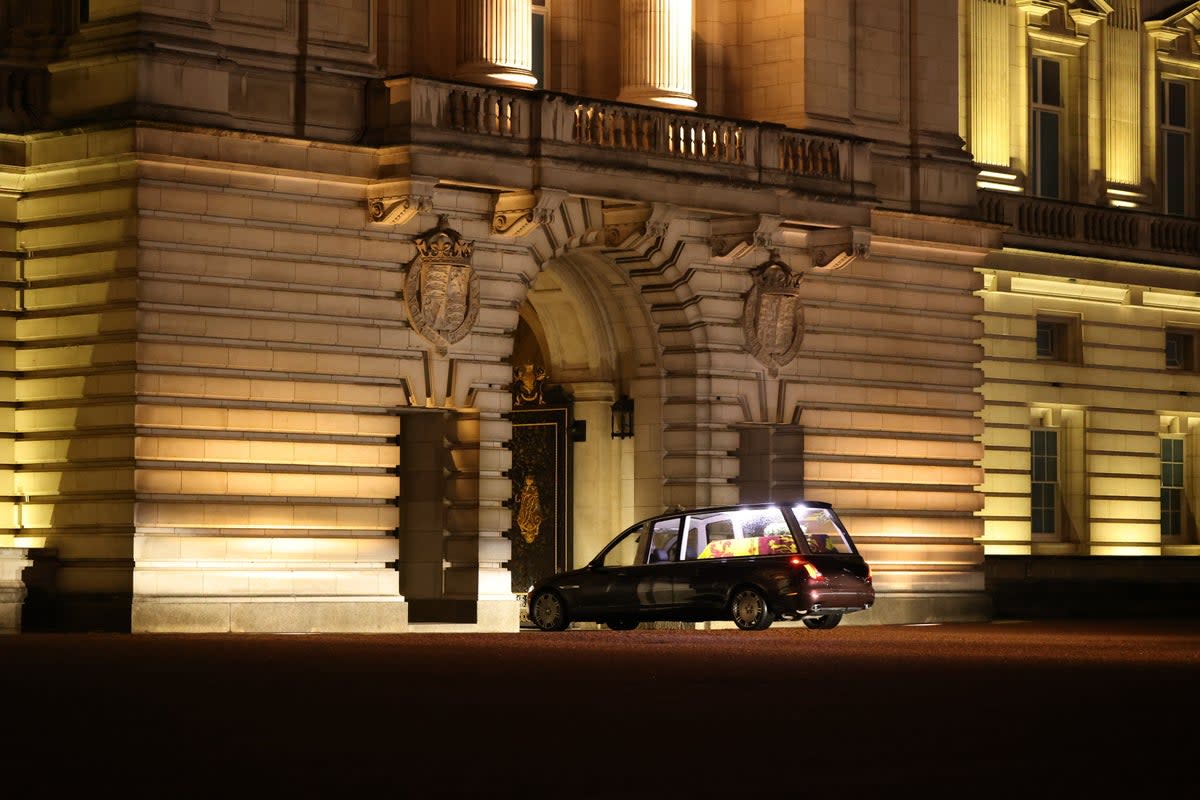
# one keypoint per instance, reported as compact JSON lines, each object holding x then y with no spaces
{"x":582,"y":342}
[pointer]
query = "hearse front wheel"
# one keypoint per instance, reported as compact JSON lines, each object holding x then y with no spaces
{"x":749,"y":610}
{"x":823,"y":623}
{"x":548,"y":612}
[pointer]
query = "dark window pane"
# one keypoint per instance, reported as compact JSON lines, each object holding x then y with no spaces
{"x":1175,"y":171}
{"x":1047,"y":155}
{"x":1051,"y":93}
{"x":1045,"y":340}
{"x":1174,"y":357}
{"x":1180,"y":350}
{"x":539,"y":49}
{"x":1176,"y":104}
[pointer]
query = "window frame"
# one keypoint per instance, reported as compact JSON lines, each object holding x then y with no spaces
{"x":1066,"y":347}
{"x":1173,"y":486}
{"x":1184,"y":131}
{"x":1186,"y":338}
{"x":1041,"y":110}
{"x":1041,"y":463}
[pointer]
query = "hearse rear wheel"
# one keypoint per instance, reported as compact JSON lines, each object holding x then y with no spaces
{"x":823,"y":623}
{"x":548,"y":612}
{"x":749,"y":610}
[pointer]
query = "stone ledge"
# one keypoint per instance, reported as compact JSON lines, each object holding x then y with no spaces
{"x":270,"y":615}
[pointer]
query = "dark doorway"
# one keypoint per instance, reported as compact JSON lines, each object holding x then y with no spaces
{"x":541,"y":478}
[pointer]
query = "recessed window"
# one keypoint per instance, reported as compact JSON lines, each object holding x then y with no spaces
{"x":539,"y":33}
{"x":1043,"y":451}
{"x":1171,"y":491}
{"x":1174,"y":119}
{"x":1057,"y":339}
{"x":1045,"y":136}
{"x":1180,"y":350}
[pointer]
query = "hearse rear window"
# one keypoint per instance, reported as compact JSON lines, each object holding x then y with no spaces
{"x":822,"y":531}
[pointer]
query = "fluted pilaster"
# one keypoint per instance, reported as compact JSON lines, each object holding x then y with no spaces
{"x":495,"y":44}
{"x":990,"y":118}
{"x":656,"y":53}
{"x":1122,"y":104}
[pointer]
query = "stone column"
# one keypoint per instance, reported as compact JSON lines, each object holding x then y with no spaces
{"x":495,"y":44}
{"x":656,"y":53}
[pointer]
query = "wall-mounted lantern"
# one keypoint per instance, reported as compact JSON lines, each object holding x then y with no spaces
{"x":622,"y":417}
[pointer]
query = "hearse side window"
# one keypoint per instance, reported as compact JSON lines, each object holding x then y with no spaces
{"x":630,"y":550}
{"x":738,"y":532}
{"x":664,"y":541}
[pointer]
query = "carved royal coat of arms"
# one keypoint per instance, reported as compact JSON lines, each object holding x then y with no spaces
{"x":441,"y":289}
{"x":773,"y":320}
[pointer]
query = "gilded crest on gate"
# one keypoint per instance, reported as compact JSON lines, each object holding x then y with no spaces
{"x":773,"y":320}
{"x":528,"y":386}
{"x":441,"y":289}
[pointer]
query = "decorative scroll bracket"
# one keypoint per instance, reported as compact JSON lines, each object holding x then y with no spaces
{"x":834,"y":248}
{"x":625,"y":226}
{"x":734,"y":238}
{"x":519,"y":213}
{"x":397,"y":203}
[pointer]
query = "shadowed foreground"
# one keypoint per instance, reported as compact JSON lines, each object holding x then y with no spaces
{"x":1039,"y":708}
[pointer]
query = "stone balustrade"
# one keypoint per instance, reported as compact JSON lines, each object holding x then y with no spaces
{"x":412,"y":110}
{"x":1093,"y":230}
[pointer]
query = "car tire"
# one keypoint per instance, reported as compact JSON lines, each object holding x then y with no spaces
{"x":823,"y":623}
{"x":749,"y":609}
{"x":621,"y":624}
{"x":548,"y":612}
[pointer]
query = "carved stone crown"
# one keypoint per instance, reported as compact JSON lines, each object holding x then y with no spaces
{"x":443,"y":243}
{"x":775,"y":276}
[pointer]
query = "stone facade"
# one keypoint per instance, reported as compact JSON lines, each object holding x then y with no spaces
{"x":267,"y":270}
{"x":1099,"y":266}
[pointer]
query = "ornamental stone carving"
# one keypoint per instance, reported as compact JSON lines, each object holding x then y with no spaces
{"x":518,"y":213}
{"x":734,"y":238}
{"x":626,"y":225}
{"x":773,"y":320}
{"x":835,"y":248}
{"x":398,"y":210}
{"x":395,"y":203}
{"x":441,"y":289}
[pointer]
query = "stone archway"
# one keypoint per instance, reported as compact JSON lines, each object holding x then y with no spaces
{"x":586,"y":326}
